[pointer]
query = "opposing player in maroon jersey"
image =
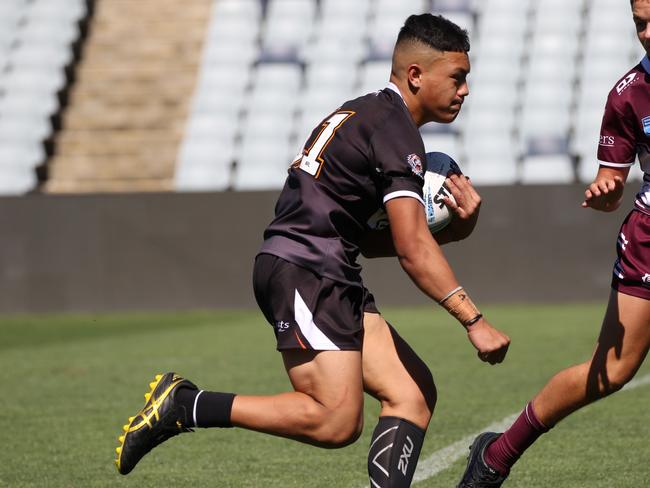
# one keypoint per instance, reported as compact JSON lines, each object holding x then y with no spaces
{"x":366,"y":154}
{"x":624,"y":338}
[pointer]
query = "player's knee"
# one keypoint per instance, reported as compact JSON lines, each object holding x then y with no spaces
{"x":332,"y":427}
{"x":609,"y":381}
{"x":417,"y":399}
{"x":341,"y":430}
{"x":616,"y":378}
{"x":312,"y":417}
{"x":344,"y":436}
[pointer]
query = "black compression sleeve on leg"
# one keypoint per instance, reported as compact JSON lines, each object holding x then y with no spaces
{"x":394,"y":452}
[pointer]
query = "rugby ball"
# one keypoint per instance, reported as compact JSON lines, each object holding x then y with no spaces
{"x":439,"y":166}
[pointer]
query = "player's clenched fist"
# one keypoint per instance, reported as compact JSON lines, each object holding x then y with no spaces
{"x":491,"y":344}
{"x":606,"y":192}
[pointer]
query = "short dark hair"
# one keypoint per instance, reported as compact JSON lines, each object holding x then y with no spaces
{"x":435,"y":31}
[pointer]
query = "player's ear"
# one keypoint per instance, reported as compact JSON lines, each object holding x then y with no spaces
{"x":414,"y":76}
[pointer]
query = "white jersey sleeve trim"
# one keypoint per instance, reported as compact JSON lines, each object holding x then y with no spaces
{"x":615,"y":165}
{"x":403,"y":193}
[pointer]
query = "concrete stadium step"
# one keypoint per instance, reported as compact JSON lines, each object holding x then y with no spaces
{"x":151,"y":165}
{"x":127,"y":90}
{"x":143,"y":72}
{"x":165,"y":30}
{"x":164,"y":9}
{"x":162,"y":50}
{"x":128,"y":108}
{"x":109,"y":186}
{"x":117,"y":142}
{"x":119,"y":118}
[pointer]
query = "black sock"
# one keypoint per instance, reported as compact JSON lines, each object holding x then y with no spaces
{"x":394,"y":452}
{"x":205,"y":408}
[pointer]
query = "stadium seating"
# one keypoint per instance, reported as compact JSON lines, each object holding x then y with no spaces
{"x":36,"y":39}
{"x":541,"y":71}
{"x":128,"y":113}
{"x":254,"y":77}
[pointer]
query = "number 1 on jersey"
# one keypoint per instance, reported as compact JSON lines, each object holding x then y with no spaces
{"x":312,"y":157}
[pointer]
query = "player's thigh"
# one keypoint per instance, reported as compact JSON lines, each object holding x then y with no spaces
{"x":332,"y":378}
{"x":394,"y":374}
{"x":624,"y":339}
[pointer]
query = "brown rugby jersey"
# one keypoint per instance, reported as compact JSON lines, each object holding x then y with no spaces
{"x":625,"y":131}
{"x":365,"y":153}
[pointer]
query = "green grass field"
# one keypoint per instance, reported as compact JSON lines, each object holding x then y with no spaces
{"x":69,"y":383}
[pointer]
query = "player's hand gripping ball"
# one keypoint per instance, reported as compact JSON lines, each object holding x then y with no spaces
{"x":439,"y":166}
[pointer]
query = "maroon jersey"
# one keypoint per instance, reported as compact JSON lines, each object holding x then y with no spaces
{"x":625,"y":131}
{"x":362,"y":155}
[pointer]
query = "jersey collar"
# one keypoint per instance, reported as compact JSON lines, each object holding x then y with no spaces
{"x":645,"y":62}
{"x":393,"y":86}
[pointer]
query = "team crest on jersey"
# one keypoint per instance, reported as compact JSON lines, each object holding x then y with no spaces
{"x":415,"y":163}
{"x":646,"y":125}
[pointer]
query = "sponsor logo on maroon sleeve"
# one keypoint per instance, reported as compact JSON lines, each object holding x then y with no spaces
{"x":606,"y":141}
{"x":625,"y":83}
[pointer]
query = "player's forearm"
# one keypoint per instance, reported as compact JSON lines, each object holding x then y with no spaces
{"x":428,"y":268}
{"x":417,"y":251}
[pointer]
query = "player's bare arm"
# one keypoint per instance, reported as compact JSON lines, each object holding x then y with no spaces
{"x":465,"y":207}
{"x":606,"y":191}
{"x":422,"y":259}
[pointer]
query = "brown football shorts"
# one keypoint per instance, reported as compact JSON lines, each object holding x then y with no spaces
{"x":308,"y":311}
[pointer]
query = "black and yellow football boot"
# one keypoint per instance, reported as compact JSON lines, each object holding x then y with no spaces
{"x":159,"y":419}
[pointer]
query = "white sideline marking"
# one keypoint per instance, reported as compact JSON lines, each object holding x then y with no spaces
{"x":443,"y":458}
{"x":644,"y":380}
